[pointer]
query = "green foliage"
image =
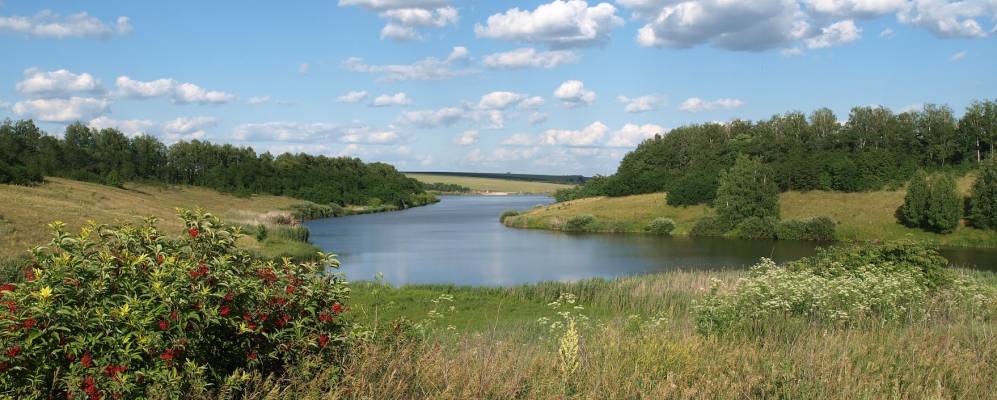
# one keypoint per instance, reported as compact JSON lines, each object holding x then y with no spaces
{"x":580,"y":223}
{"x":709,"y":226}
{"x":819,"y":229}
{"x":507,"y":214}
{"x":596,"y":186}
{"x":296,"y":233}
{"x":932,"y":204}
{"x":838,"y":286}
{"x":128,"y":312}
{"x":310,"y":211}
{"x":693,"y":188}
{"x":446,"y":187}
{"x":983,"y":197}
{"x":109,"y":157}
{"x":261,"y":232}
{"x":660,"y":226}
{"x":756,"y":228}
{"x":746,"y":190}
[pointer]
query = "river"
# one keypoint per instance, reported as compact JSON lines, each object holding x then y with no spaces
{"x":460,"y":241}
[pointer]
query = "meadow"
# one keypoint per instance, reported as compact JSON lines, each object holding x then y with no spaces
{"x":863,"y":216}
{"x":493,"y":184}
{"x":28,"y":210}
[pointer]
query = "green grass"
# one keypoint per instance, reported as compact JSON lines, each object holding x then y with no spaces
{"x":865,"y":216}
{"x":492,"y":184}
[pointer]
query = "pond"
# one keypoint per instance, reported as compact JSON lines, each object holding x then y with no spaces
{"x":460,"y":241}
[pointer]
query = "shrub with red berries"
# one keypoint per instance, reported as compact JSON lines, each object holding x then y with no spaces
{"x":121,"y":312}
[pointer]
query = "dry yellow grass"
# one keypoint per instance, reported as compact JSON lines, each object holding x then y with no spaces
{"x":26,"y":211}
{"x":860,"y":216}
{"x":492,"y":184}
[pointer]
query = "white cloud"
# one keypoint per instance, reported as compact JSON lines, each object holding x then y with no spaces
{"x":447,"y":116}
{"x":500,"y":100}
{"x":353,"y":97}
{"x":519,"y":139}
{"x":838,"y":33}
{"x":297,"y":132}
{"x":574,"y":94}
{"x":51,"y":25}
{"x":467,"y":138}
{"x":258,"y":100}
{"x":557,"y":24}
{"x":187,"y":128}
{"x":537,"y":118}
{"x":406,"y":17}
{"x":887,"y":33}
{"x":458,"y":53}
{"x":587,"y":136}
{"x":746,"y":25}
{"x":427,"y":69}
{"x":61,"y":110}
{"x":640,"y":104}
{"x":179,"y":92}
{"x":304,"y":68}
{"x":633,"y":134}
{"x":58,"y":83}
{"x":130,"y":127}
{"x":696,"y":104}
{"x":531,"y":102}
{"x":958,"y":56}
{"x":397,"y":99}
{"x":529,"y":57}
{"x":950,"y":19}
{"x":365,"y":135}
{"x":855,"y":8}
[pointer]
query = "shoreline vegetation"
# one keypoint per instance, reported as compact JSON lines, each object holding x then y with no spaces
{"x":858,"y":217}
{"x":488,"y":185}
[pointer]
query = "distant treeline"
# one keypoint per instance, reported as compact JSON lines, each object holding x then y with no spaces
{"x":875,"y":148}
{"x":566,"y":179}
{"x":446,"y":187}
{"x":108,"y":156}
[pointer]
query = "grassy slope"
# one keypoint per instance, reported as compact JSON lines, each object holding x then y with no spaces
{"x":860,"y":216}
{"x":492,"y":185}
{"x":26,"y":211}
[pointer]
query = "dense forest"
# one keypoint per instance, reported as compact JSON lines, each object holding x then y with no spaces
{"x":108,"y":156}
{"x":873,"y":149}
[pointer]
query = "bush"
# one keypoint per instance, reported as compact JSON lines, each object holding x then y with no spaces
{"x":931,"y":204}
{"x":747,"y":190}
{"x":580,"y":223}
{"x":983,"y":197}
{"x":912,"y":211}
{"x":708,"y":226}
{"x":128,"y":312}
{"x":309,"y":211}
{"x":837,"y":286}
{"x":507,"y":214}
{"x":296,"y":233}
{"x":756,"y":228}
{"x":261,"y":232}
{"x":819,"y":229}
{"x":660,"y":226}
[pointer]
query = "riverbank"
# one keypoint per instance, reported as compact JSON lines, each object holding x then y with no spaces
{"x":486,"y":186}
{"x":860,"y":217}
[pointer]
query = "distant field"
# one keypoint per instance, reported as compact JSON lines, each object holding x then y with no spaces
{"x":860,"y":216}
{"x":492,"y":184}
{"x":25,"y":212}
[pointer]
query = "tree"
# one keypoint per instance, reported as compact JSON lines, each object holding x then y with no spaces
{"x":944,"y":205}
{"x":983,"y":197}
{"x":911,"y":213}
{"x":746,"y":190}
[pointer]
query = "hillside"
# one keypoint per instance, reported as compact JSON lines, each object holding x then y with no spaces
{"x":860,"y":216}
{"x":28,"y":209}
{"x":485,"y":184}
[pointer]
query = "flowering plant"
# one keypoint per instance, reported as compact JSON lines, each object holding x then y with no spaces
{"x":121,"y":312}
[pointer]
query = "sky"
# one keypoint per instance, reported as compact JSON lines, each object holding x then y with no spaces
{"x":550,"y":87}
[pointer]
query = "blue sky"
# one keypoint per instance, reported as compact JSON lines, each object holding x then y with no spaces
{"x":563,"y":87}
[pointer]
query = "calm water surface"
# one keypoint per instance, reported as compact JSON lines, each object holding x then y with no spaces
{"x":460,"y":241}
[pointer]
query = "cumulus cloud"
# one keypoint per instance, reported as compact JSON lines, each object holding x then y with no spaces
{"x":500,"y":100}
{"x":573,"y":94}
{"x":297,"y":132}
{"x":258,"y":100}
{"x":386,"y":100}
{"x":587,"y":136}
{"x":450,"y":116}
{"x":519,"y":139}
{"x":640,"y":104}
{"x":188,"y":128}
{"x":530,"y":103}
{"x":58,"y":83}
{"x":748,"y":25}
{"x":855,"y":8}
{"x":178,"y":92}
{"x":182,"y":128}
{"x":61,"y":110}
{"x":537,"y":118}
{"x":950,"y":19}
{"x":48,"y":24}
{"x":835,"y":34}
{"x":558,"y":24}
{"x":528,"y":57}
{"x":467,"y":138}
{"x":352,"y":97}
{"x":630,"y":135}
{"x":405,"y":18}
{"x":130,"y":127}
{"x":427,"y":69}
{"x":696,"y":104}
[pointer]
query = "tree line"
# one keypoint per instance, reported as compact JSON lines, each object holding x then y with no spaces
{"x":874,"y":148}
{"x":108,"y":156}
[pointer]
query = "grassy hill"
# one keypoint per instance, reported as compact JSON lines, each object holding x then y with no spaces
{"x":860,"y":216}
{"x":486,"y":184}
{"x":27,"y":210}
